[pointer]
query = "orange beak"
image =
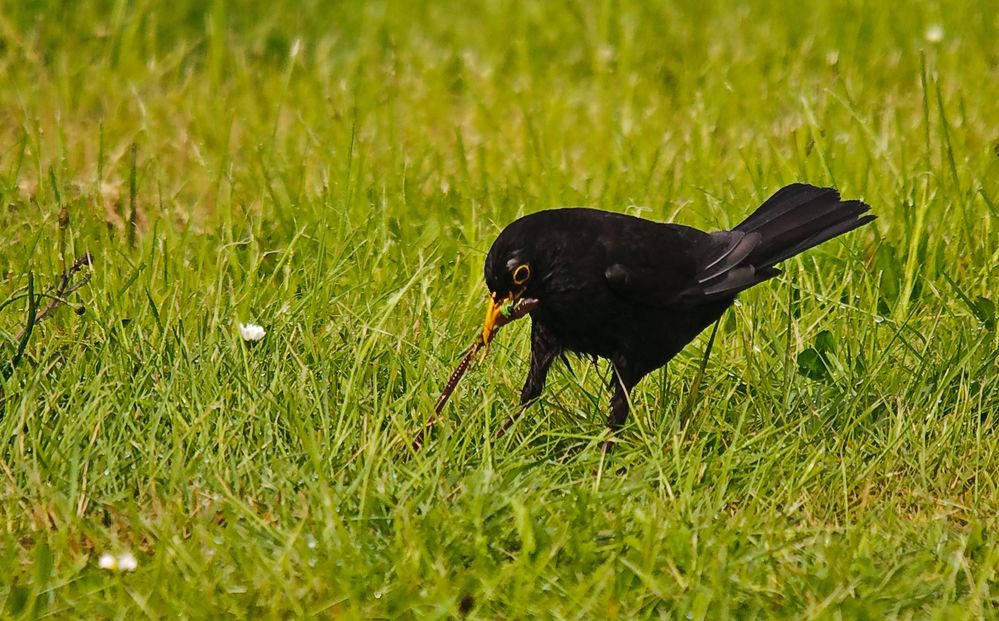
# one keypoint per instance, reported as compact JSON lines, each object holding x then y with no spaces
{"x":493,"y":310}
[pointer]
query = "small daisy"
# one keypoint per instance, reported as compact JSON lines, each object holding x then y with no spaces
{"x":125,"y":561}
{"x":935,"y":33}
{"x":251,"y":332}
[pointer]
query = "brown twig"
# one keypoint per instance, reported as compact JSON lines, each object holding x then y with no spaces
{"x":57,"y":297}
{"x":63,"y":288}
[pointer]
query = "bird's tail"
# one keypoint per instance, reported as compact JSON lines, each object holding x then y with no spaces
{"x":794,"y":219}
{"x":798,"y":217}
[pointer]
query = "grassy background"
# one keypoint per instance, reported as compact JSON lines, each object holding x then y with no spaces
{"x":336,"y":172}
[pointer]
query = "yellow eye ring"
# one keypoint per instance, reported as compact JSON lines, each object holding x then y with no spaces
{"x":521,"y":274}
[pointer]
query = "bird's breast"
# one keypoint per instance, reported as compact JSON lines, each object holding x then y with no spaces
{"x":584,"y":321}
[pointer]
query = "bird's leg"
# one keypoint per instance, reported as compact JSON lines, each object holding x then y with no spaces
{"x":622,"y":380}
{"x":544,"y":349}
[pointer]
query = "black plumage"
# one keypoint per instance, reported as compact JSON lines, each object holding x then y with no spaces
{"x":637,"y":292}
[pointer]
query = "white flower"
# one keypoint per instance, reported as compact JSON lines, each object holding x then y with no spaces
{"x":935,"y":33}
{"x":251,"y":332}
{"x":125,"y":561}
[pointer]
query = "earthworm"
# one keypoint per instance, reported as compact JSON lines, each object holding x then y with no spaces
{"x":522,"y":308}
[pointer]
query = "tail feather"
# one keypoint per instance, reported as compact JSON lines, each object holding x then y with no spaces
{"x":783,"y":201}
{"x":796,"y":218}
{"x":833,"y":230}
{"x":786,"y":235}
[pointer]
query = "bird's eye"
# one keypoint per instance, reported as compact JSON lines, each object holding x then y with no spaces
{"x":521,"y":274}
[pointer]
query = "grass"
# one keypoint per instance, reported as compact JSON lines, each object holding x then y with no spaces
{"x":336,"y":171}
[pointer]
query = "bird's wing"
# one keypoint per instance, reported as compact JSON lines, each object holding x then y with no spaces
{"x":653,"y":265}
{"x":678,"y":265}
{"x":730,"y":271}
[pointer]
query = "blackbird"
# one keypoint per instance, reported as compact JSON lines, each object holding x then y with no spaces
{"x":636,"y":292}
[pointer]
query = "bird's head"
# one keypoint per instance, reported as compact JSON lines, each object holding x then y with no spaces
{"x":513,"y":269}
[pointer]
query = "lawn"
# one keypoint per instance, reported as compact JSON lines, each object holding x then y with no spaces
{"x":336,"y":171}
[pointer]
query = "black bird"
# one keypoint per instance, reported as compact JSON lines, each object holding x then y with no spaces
{"x":635,"y":291}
